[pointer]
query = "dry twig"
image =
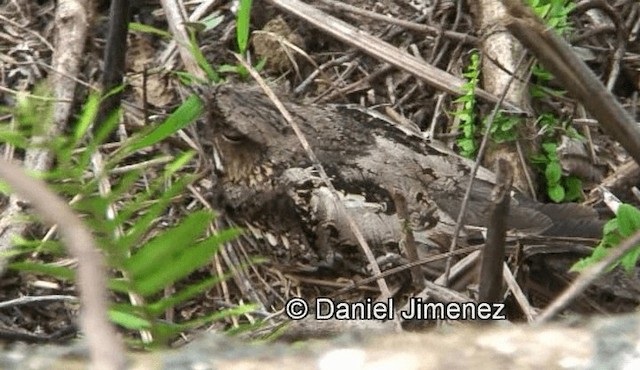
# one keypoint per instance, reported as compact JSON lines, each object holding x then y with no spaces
{"x":493,"y":252}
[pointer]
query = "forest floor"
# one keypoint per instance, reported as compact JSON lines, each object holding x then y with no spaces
{"x":321,"y":69}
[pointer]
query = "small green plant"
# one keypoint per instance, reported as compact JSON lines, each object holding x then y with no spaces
{"x":555,"y":13}
{"x":538,"y":88}
{"x":212,"y":73}
{"x":146,"y":257}
{"x":467,"y":141}
{"x":503,"y":127}
{"x":243,"y":18}
{"x":625,"y":224}
{"x":559,"y":188}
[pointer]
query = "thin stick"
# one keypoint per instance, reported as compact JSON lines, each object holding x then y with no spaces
{"x":517,"y":292}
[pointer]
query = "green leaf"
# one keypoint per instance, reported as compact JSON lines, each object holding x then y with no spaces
{"x":192,"y":258}
{"x":260,"y":65}
{"x":158,"y":308}
{"x":542,"y":11}
{"x":628,"y":219}
{"x":212,"y":21}
{"x":580,"y":265}
{"x":556,"y":193}
{"x":553,"y":173}
{"x":50,"y":247}
{"x":62,"y":273}
{"x":162,"y":249}
{"x":178,"y":163}
{"x":550,"y":148}
{"x":128,"y":320}
{"x":468,"y":130}
{"x":34,"y":112}
{"x":188,"y":112}
{"x":595,"y":257}
{"x":573,"y":133}
{"x":189,"y":79}
{"x":242,"y":25}
{"x":134,"y":26}
{"x":121,"y":189}
{"x":104,"y":129}
{"x":600,"y":252}
{"x":467,"y":97}
{"x":465,"y":116}
{"x":610,"y":227}
{"x":120,"y":285}
{"x":142,"y":224}
{"x":228,"y":68}
{"x":470,"y":75}
{"x":612,"y":239}
{"x":537,"y":92}
{"x":202,"y":61}
{"x":467,"y":147}
{"x":630,"y":259}
{"x":510,"y":123}
{"x":17,"y":139}
{"x":89,"y":112}
{"x":573,"y":188}
{"x":102,"y":132}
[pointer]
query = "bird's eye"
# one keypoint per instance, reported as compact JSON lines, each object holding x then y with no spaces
{"x":232,"y":137}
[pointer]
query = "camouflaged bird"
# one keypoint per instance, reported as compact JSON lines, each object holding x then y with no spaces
{"x":267,"y":182}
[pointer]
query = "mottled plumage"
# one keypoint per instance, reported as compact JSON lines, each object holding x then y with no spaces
{"x":267,"y":180}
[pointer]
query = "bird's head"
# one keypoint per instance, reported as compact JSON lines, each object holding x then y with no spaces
{"x":248,"y":133}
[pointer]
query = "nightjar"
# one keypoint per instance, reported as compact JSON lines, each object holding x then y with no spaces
{"x":266,"y":182}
